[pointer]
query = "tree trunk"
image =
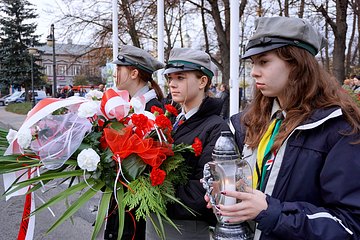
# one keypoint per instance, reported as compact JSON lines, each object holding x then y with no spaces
{"x":340,"y":40}
{"x":286,"y":8}
{"x":301,"y":9}
{"x":349,"y":48}
{"x":204,"y":26}
{"x":339,"y":28}
{"x":222,"y":36}
{"x":130,"y":22}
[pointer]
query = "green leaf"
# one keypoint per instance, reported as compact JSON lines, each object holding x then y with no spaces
{"x":180,"y":203}
{"x":45,"y":176}
{"x":104,"y":204}
{"x":62,"y":195}
{"x":121,"y":211}
{"x":71,"y":162}
{"x":14,"y":167}
{"x":117,"y":125}
{"x":77,"y":205}
{"x":132,"y":167}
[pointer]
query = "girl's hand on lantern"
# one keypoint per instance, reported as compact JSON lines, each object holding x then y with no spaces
{"x":207,"y":200}
{"x":252,"y":203}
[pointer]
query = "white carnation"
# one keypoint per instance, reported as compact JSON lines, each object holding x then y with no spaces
{"x":94,"y":94}
{"x":88,"y":109}
{"x":11,"y":135}
{"x":24,"y":138}
{"x":137,"y":105}
{"x":88,"y":159}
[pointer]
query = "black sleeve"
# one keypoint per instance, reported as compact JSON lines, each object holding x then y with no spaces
{"x":240,"y":130}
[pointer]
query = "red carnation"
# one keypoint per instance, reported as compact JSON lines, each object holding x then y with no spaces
{"x":171,"y":109}
{"x":163,"y":122}
{"x":156,"y":109}
{"x":101,"y":122}
{"x":157,"y":176}
{"x":139,"y":120}
{"x":197,"y":146}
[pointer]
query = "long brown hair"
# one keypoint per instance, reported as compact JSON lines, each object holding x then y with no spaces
{"x":310,"y":87}
{"x":147,"y":77}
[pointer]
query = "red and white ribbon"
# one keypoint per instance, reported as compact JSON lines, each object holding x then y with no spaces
{"x":41,"y":110}
{"x":115,"y":104}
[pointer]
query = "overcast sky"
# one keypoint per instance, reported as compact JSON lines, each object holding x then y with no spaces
{"x":45,"y":19}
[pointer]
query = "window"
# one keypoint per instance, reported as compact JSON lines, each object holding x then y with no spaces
{"x":76,"y":70}
{"x":61,"y":70}
{"x":48,"y":69}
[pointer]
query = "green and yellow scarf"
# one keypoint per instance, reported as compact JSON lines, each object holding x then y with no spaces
{"x":264,"y":152}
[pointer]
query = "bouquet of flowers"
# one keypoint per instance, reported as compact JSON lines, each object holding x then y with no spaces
{"x":104,"y":143}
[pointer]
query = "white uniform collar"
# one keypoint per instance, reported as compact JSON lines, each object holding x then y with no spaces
{"x":145,"y":93}
{"x":275,"y":108}
{"x":189,"y":113}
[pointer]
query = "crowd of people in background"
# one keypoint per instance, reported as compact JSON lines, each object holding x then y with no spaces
{"x":216,"y":90}
{"x":222,"y":91}
{"x":69,"y":91}
{"x":352,"y":84}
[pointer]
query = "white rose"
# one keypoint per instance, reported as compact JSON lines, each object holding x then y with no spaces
{"x":88,"y":159}
{"x":94,"y":94}
{"x":24,"y":138}
{"x":137,"y":105}
{"x":88,"y":109}
{"x":11,"y":135}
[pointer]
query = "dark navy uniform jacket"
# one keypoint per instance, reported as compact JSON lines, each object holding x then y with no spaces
{"x":206,"y":124}
{"x":313,"y":191}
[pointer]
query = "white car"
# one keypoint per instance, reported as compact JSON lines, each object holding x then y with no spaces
{"x":2,"y":100}
{"x":18,"y":97}
{"x":13,"y":97}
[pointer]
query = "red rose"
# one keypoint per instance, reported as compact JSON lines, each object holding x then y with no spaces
{"x":156,"y":109}
{"x":157,"y":176}
{"x":171,"y":109}
{"x":197,"y":146}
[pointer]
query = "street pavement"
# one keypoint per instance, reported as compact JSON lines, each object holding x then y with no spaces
{"x":80,"y":228}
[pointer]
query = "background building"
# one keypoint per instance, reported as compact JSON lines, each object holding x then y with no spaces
{"x":73,"y":61}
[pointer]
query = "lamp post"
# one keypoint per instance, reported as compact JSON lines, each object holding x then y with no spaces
{"x":32,"y":51}
{"x":51,"y":43}
{"x":244,"y":101}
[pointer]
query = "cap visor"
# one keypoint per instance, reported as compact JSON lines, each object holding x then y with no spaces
{"x":118,"y":62}
{"x":174,"y":70}
{"x":261,"y":49}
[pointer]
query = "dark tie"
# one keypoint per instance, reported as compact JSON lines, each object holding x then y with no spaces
{"x":178,"y":122}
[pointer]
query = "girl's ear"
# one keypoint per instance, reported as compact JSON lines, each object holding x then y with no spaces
{"x":203,"y":82}
{"x":134,"y":73}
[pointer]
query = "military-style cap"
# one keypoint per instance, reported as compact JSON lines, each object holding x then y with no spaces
{"x":186,"y":59}
{"x":137,"y":57}
{"x":275,"y":32}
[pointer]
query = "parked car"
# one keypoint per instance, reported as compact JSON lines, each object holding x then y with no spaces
{"x":13,"y":97}
{"x":2,"y":100}
{"x":39,"y":95}
{"x":18,"y":97}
